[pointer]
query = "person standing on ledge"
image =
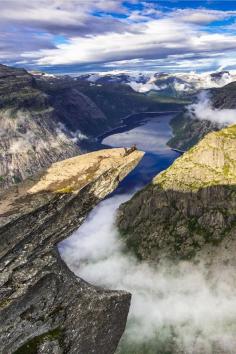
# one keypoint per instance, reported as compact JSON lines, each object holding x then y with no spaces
{"x":130,"y":150}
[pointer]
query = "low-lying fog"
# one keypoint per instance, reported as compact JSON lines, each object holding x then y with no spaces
{"x":172,"y":305}
{"x":204,"y":110}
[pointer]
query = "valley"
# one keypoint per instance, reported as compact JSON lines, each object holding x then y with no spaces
{"x":117,"y":177}
{"x":150,"y":229}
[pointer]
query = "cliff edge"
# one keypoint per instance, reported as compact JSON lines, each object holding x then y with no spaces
{"x":188,"y":209}
{"x":44,"y":307}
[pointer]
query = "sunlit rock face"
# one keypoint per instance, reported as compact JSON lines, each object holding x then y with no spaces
{"x":190,"y":207}
{"x":44,"y":306}
{"x":187,"y":215}
{"x":44,"y":119}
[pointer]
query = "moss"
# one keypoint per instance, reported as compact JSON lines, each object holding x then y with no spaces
{"x":4,"y":302}
{"x":32,"y":345}
{"x":229,"y":132}
{"x":67,"y":189}
{"x":226,"y":170}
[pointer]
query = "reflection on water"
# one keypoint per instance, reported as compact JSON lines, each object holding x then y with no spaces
{"x":173,"y":306}
{"x":150,"y":137}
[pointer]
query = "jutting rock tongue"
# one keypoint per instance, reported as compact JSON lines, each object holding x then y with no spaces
{"x":190,"y":208}
{"x":44,"y":307}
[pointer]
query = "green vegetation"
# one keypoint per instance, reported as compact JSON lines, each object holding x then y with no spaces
{"x":119,"y":100}
{"x":32,"y":345}
{"x":168,"y":99}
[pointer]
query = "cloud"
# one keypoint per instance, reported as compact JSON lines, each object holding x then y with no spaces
{"x":177,"y":303}
{"x":204,"y":110}
{"x":201,"y":16}
{"x":152,"y":40}
{"x":36,"y":24}
{"x":58,"y":33}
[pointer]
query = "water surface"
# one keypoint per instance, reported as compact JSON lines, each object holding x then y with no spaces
{"x":173,"y":306}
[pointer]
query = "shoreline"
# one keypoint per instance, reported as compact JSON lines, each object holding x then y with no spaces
{"x":140,"y":117}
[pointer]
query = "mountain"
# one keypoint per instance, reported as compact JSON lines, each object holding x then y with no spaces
{"x":32,"y":136}
{"x":189,"y":208}
{"x":44,"y":307}
{"x":164,"y":84}
{"x":187,"y":131}
{"x":46,"y":118}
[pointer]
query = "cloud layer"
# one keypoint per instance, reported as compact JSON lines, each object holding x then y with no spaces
{"x":177,"y":303}
{"x":115,"y":33}
{"x":204,"y":110}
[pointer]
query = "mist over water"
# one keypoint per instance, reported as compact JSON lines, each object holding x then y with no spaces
{"x":170,"y":302}
{"x":175,"y":308}
{"x":204,"y":110}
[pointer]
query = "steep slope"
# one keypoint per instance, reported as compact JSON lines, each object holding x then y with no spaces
{"x":30,"y":137}
{"x":44,"y":307}
{"x":188,"y":131}
{"x":117,"y":100}
{"x":46,"y":119}
{"x":224,"y":97}
{"x":188,"y":208}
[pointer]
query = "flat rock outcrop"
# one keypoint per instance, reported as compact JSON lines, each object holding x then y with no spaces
{"x":46,"y":118}
{"x":44,"y":307}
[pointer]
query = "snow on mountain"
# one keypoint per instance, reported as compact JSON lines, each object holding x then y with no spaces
{"x":164,"y":83}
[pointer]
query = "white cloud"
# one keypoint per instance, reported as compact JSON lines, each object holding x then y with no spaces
{"x":88,"y":38}
{"x":201,"y":16}
{"x":171,"y":302}
{"x":204,"y":110}
{"x":153,"y":39}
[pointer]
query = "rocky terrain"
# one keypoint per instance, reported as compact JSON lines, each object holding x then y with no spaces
{"x":45,"y":119}
{"x":164,"y":84}
{"x":44,"y":307}
{"x":188,"y":209}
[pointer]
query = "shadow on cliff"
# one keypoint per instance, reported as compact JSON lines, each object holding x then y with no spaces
{"x":175,"y":305}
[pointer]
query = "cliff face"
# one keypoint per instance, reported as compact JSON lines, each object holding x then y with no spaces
{"x":31,"y":138}
{"x":188,"y":132}
{"x":44,"y":307}
{"x":46,"y":119}
{"x":188,"y":208}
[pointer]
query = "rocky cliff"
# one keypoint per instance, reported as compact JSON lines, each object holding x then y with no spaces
{"x":190,"y":207}
{"x":31,"y":139}
{"x":44,"y":307}
{"x":44,"y":119}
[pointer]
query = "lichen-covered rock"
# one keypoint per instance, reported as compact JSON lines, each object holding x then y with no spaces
{"x":44,"y":307}
{"x":189,"y":207}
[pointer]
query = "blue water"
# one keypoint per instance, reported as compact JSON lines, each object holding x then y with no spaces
{"x":172,"y":304}
{"x":150,"y":136}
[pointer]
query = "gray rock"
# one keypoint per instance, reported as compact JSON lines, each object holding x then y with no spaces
{"x":43,"y":304}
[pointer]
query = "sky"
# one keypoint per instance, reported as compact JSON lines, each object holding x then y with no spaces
{"x":66,"y":36}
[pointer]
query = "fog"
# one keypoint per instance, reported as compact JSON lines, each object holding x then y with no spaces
{"x":170,"y":303}
{"x":204,"y":110}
